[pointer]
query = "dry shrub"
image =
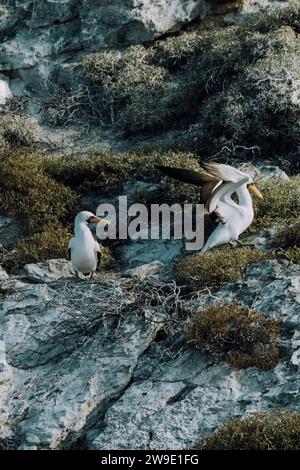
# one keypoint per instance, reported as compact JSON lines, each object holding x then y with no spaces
{"x":281,"y":203}
{"x":18,"y":131}
{"x":277,"y":430}
{"x":236,"y":334}
{"x":287,"y":237}
{"x":215,"y":267}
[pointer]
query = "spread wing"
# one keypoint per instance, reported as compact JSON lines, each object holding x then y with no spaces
{"x":209,"y":176}
{"x":187,"y":176}
{"x":202,"y":178}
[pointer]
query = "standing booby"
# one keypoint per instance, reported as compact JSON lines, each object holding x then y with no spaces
{"x":84,"y":251}
{"x":218,"y":182}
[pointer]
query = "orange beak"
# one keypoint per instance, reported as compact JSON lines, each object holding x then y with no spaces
{"x":97,"y":220}
{"x":253,"y":189}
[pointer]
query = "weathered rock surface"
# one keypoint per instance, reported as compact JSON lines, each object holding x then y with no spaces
{"x":66,"y":352}
{"x":174,"y":401}
{"x":79,"y":360}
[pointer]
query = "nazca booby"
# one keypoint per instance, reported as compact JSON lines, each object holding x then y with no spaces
{"x":84,"y":251}
{"x":218,"y":183}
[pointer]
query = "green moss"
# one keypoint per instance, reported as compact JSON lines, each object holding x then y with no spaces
{"x":278,"y":430}
{"x":215,"y":267}
{"x":238,"y":335}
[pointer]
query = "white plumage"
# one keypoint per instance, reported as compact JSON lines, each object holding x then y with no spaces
{"x":218,"y":183}
{"x":84,"y":250}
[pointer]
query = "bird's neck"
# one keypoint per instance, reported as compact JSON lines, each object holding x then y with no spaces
{"x":81,"y":230}
{"x":245,"y":199}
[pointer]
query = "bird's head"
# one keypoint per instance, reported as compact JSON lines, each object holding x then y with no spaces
{"x":253,"y":189}
{"x":86,"y":217}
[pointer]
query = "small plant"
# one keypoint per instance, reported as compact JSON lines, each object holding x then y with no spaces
{"x":288,"y":241}
{"x":287,"y":237}
{"x":215,"y":267}
{"x":277,"y":430}
{"x":292,"y":254}
{"x":236,"y":334}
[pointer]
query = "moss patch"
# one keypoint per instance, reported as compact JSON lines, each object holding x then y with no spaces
{"x":279,"y":430}
{"x":215,"y":267}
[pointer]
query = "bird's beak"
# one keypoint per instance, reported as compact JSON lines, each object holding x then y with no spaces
{"x":97,"y":220}
{"x":253,"y":189}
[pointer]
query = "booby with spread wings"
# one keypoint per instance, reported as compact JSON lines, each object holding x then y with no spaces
{"x":218,"y":183}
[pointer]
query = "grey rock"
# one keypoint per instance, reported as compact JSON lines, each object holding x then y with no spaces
{"x":264,"y":171}
{"x":79,"y":360}
{"x":3,"y":274}
{"x":272,"y":172}
{"x":142,"y":252}
{"x":146,"y":270}
{"x":49,"y":270}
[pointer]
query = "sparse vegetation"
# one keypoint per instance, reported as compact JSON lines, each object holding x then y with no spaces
{"x":248,"y":80}
{"x":236,"y":334}
{"x":215,"y":267}
{"x":277,"y":430}
{"x":281,"y":204}
{"x":17,"y":131}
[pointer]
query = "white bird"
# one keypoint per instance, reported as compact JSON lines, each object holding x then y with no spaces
{"x":84,"y":251}
{"x":218,"y":183}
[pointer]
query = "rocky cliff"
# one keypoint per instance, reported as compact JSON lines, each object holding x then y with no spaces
{"x":86,"y":366}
